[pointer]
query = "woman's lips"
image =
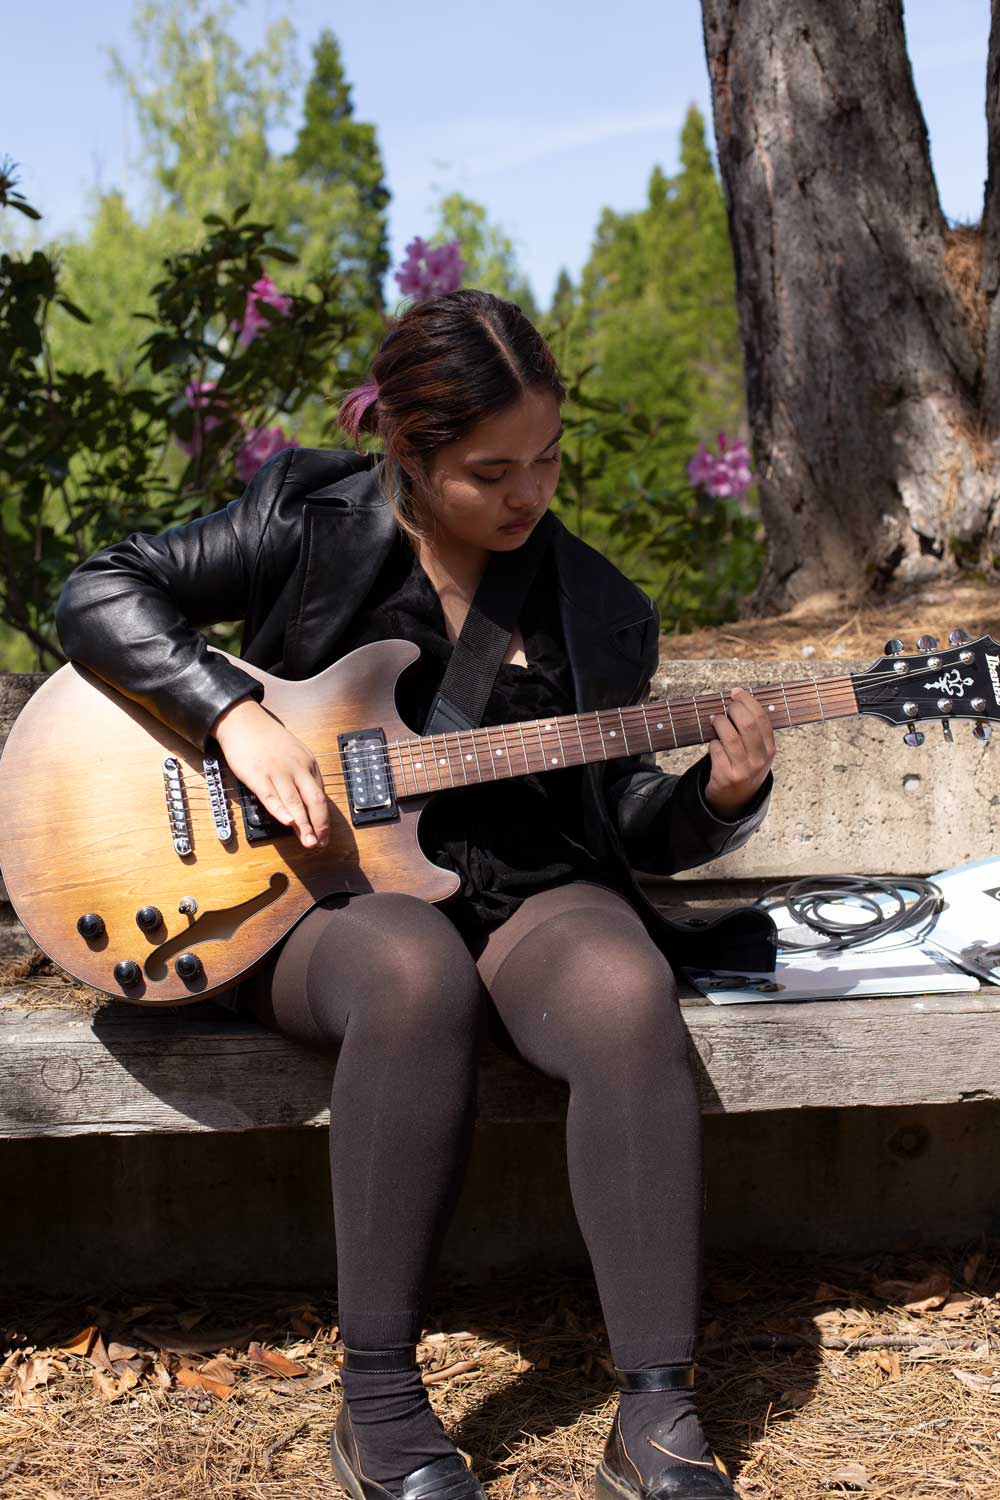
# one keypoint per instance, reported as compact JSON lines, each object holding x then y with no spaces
{"x":519,"y":525}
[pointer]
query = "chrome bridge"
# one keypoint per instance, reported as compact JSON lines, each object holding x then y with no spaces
{"x":370,"y":791}
{"x":217,"y":798}
{"x":177,"y":813}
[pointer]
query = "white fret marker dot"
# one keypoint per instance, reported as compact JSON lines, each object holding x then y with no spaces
{"x":468,"y":757}
{"x":770,"y":708}
{"x":659,"y":726}
{"x":613,"y":732}
{"x":555,"y":760}
{"x":441,"y":761}
{"x":499,"y":752}
{"x":417,"y":765}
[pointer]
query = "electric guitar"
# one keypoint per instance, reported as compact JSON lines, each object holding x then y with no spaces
{"x":146,"y":870}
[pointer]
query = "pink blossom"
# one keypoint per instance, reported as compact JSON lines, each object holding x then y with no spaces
{"x":725,"y":475}
{"x":430,"y":271}
{"x":198,"y":395}
{"x":263,"y":290}
{"x":261,"y":444}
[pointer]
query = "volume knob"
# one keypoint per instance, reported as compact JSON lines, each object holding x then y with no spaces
{"x":127,"y":972}
{"x":90,"y":925}
{"x":148,"y":918}
{"x":188,"y":966}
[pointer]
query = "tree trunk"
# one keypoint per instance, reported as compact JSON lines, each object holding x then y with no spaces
{"x":865,"y":320}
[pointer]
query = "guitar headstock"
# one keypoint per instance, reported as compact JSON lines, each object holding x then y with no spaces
{"x":960,"y":682}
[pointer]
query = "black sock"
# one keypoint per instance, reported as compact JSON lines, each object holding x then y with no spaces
{"x":668,"y":1419}
{"x":397,"y":1429}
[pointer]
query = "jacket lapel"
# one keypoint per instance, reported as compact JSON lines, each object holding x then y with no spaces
{"x":604,"y":619}
{"x":348,"y":531}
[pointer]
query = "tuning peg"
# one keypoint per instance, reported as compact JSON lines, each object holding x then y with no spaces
{"x":982,"y":732}
{"x":958,"y":637}
{"x":894,"y":648}
{"x":946,"y":730}
{"x":927,"y":643}
{"x":913,"y":737}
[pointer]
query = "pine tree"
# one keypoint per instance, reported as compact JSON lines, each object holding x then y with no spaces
{"x":341,"y":154}
{"x":489,"y":254}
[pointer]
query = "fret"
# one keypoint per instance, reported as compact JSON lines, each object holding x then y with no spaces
{"x":621,"y":720}
{"x":788,"y":711}
{"x":524,"y":748}
{"x":819,"y":699}
{"x":562,"y":747}
{"x":600,"y":730}
{"x":645,"y":725}
{"x":579,"y":735}
{"x":414,"y":765}
{"x":439,"y":761}
{"x":475,"y":751}
{"x":504,"y":754}
{"x":402,"y":771}
{"x":541,"y":741}
{"x":701,"y":731}
{"x":673,"y":726}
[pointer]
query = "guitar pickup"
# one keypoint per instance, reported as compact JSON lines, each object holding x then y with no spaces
{"x":258,"y":825}
{"x":370,"y":792}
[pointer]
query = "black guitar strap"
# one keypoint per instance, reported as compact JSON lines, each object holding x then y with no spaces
{"x":485,"y":635}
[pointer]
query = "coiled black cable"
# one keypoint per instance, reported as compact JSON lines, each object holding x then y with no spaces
{"x":804,"y":898}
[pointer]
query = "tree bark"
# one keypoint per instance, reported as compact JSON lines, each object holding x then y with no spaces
{"x":865,"y":321}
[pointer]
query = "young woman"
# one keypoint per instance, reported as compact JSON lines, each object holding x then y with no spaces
{"x":548,"y":943}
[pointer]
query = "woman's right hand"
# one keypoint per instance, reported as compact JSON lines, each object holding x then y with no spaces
{"x":279,"y":769}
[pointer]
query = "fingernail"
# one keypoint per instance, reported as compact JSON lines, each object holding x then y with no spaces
{"x":309,"y":839}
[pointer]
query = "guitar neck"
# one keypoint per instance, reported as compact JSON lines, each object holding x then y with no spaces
{"x":430,"y":763}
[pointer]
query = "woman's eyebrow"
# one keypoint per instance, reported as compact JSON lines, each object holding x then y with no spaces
{"x":488,"y":461}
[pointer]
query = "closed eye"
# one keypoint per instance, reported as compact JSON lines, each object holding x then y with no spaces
{"x":496,"y":478}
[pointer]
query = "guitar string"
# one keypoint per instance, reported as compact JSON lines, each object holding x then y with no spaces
{"x":680,"y":711}
{"x":587,"y":735}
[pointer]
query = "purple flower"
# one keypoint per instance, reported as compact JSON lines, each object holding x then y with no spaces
{"x":430,"y":271}
{"x":727,"y":474}
{"x":263,"y":290}
{"x":261,"y":444}
{"x":198,"y":395}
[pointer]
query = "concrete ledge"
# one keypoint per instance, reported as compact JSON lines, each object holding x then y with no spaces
{"x":134,"y":1072}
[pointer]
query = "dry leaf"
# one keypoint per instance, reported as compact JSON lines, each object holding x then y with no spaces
{"x":113,"y":1389}
{"x":851,"y":1476}
{"x":796,"y":1396}
{"x":275,"y":1363}
{"x":989,"y":1385}
{"x":194,"y":1380}
{"x":80,"y":1344}
{"x":191,"y":1319}
{"x":959,"y":1305}
{"x":888,"y":1360}
{"x":36,"y":1371}
{"x":825,"y":1293}
{"x":122,"y":1351}
{"x":524,"y":1365}
{"x":98,"y":1356}
{"x":916,"y":1296}
{"x":219,"y":1368}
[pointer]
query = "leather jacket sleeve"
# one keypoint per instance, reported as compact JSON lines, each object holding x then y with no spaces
{"x":663,"y":820}
{"x":130,"y":613}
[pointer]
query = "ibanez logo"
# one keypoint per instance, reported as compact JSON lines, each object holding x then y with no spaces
{"x":993,"y":662}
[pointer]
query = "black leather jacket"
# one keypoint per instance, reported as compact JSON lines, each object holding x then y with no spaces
{"x":293,"y":558}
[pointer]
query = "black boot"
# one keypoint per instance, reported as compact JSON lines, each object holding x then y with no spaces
{"x":617,"y":1477}
{"x":448,"y":1478}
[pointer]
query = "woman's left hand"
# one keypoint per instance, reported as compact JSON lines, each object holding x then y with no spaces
{"x":741,"y":753}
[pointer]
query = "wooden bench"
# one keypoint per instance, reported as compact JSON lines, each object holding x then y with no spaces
{"x":849,"y":797}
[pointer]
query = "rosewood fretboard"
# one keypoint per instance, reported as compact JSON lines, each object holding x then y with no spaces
{"x":433,"y":762}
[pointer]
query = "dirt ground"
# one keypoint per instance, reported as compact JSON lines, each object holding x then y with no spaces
{"x":829,"y":626}
{"x":877,"y":1377}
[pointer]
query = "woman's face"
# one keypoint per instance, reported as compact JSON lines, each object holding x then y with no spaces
{"x":490,"y":488}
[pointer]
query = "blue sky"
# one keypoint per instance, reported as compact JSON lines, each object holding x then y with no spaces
{"x":546,"y":120}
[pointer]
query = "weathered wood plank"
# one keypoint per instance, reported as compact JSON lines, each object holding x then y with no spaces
{"x":131,"y":1072}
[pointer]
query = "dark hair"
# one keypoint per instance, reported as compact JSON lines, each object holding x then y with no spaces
{"x":442,"y":366}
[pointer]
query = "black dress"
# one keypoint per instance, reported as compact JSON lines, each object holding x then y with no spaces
{"x":507,"y":838}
